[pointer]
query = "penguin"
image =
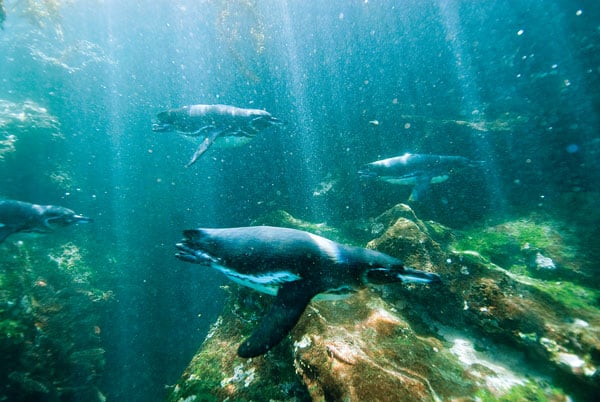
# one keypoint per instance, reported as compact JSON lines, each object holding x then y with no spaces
{"x":294,"y":266}
{"x":228,"y":125}
{"x":418,"y":170}
{"x":19,"y":216}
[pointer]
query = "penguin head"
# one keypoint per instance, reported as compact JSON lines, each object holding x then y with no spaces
{"x":367,"y":172}
{"x":54,"y":217}
{"x":167,"y":120}
{"x":261,"y":119}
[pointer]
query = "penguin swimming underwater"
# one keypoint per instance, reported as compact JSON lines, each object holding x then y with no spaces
{"x":226,"y":124}
{"x":418,"y":170}
{"x":292,"y":265}
{"x":19,"y":216}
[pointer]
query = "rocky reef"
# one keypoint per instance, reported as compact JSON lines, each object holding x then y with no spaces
{"x":49,"y":324}
{"x":514,"y":320}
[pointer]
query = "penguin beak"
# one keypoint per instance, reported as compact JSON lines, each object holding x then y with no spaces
{"x":277,"y":122}
{"x":81,"y":219}
{"x":65,"y":220}
{"x":366,"y":174}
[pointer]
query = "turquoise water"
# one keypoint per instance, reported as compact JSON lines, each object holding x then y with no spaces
{"x":512,"y":84}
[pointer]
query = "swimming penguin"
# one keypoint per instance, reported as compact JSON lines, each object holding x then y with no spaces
{"x":418,"y":170}
{"x":292,"y":265}
{"x":19,"y":216}
{"x":232,"y":126}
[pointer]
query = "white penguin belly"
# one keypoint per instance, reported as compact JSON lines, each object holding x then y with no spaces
{"x":268,"y":282}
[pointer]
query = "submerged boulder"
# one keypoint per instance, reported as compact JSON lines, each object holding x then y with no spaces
{"x":485,"y":333}
{"x":362,"y":349}
{"x":216,"y":373}
{"x":50,"y":314}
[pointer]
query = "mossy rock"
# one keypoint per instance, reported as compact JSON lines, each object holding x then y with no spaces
{"x":520,"y":245}
{"x":284,"y":219}
{"x":532,"y":391}
{"x":216,"y":373}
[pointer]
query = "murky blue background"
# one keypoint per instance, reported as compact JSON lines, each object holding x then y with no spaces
{"x":512,"y":83}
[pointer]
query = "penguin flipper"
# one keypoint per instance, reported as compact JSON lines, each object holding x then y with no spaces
{"x":289,"y":304}
{"x":208,"y":141}
{"x":5,"y":232}
{"x":420,"y":188}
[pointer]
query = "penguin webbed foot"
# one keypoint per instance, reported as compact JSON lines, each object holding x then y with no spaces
{"x":381,"y":276}
{"x":189,"y":254}
{"x":81,"y":219}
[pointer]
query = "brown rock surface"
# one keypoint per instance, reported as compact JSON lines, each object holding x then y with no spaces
{"x":485,"y":333}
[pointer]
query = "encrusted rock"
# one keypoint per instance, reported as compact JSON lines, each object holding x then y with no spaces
{"x":419,"y":343}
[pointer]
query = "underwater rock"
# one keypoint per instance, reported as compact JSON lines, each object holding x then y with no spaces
{"x":478,"y":296}
{"x":359,"y":349}
{"x":407,"y":238}
{"x":216,"y":373}
{"x":486,"y":333}
{"x":49,"y":334}
{"x":542,"y":262}
{"x":284,"y":219}
{"x":528,"y":246}
{"x":530,"y":314}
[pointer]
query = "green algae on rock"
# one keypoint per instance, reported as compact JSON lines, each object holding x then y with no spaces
{"x":216,"y":373}
{"x":284,"y":219}
{"x":49,"y":331}
{"x":404,"y":343}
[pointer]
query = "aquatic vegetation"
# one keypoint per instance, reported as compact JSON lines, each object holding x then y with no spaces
{"x":238,"y":23}
{"x":46,"y":42}
{"x":7,"y":145}
{"x":68,"y":258}
{"x":11,"y":330}
{"x":28,"y":133}
{"x":501,"y":123}
{"x":21,"y":122}
{"x":467,"y":337}
{"x":2,"y":13}
{"x":523,"y":246}
{"x":26,"y":116}
{"x":284,"y":219}
{"x":43,"y":14}
{"x":62,"y":179}
{"x":40,"y":13}
{"x":71,"y":58}
{"x":533,"y":391}
{"x":575,"y":297}
{"x":49,"y":314}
